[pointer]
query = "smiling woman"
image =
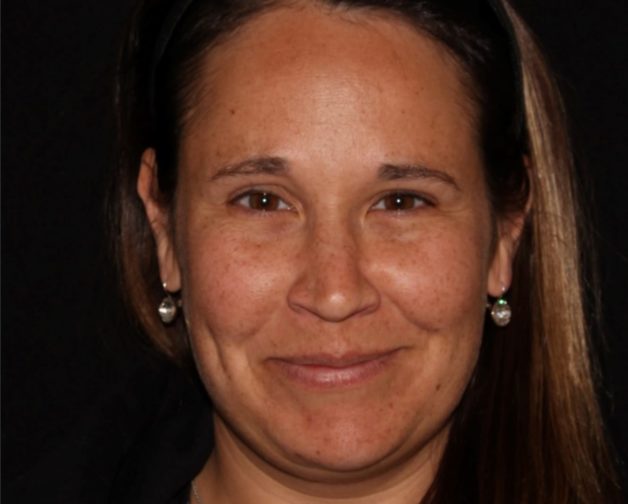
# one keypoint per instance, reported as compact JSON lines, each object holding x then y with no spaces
{"x":332,"y":192}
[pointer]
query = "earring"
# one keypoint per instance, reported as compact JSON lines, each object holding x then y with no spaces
{"x":501,"y":312}
{"x":168,"y":308}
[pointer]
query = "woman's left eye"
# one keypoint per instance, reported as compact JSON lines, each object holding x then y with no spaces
{"x":261,"y":201}
{"x":400,"y":201}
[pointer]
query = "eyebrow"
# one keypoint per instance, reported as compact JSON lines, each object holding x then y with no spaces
{"x":278,"y":166}
{"x":254,"y":166}
{"x":410,"y":171}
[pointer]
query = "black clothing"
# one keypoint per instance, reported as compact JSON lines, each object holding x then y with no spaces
{"x":142,"y":443}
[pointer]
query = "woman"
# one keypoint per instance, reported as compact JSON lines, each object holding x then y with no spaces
{"x":315,"y":203}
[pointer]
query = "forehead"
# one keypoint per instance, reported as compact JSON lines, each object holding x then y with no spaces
{"x":293,"y":65}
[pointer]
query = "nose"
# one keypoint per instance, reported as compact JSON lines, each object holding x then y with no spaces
{"x":331,"y":284}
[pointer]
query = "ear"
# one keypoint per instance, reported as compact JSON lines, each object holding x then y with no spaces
{"x":509,"y":229}
{"x":159,"y":219}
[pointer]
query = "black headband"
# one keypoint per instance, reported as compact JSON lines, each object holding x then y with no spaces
{"x":171,"y":21}
{"x":515,"y":58}
{"x":179,"y":9}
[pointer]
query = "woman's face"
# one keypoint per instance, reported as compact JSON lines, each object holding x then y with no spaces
{"x":332,"y":239}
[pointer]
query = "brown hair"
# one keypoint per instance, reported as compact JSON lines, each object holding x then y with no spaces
{"x":528,"y":429}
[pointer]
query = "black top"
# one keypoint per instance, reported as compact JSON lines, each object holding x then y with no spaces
{"x":141,"y":443}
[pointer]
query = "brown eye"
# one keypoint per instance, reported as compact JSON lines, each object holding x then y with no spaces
{"x":399,"y":202}
{"x":262,"y":201}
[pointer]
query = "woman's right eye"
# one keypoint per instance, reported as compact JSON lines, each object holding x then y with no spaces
{"x":261,"y":201}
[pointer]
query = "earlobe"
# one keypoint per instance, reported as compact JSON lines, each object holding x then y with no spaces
{"x":158,"y":216}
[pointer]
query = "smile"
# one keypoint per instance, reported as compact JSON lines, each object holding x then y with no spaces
{"x":326,"y":371}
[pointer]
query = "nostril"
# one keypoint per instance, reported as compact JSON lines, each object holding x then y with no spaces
{"x":333,"y":298}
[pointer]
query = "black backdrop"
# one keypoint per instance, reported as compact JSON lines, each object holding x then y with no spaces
{"x":65,"y":343}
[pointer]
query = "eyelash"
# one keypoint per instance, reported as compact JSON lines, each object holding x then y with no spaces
{"x":396,"y":199}
{"x":263,"y":198}
{"x":274,"y":203}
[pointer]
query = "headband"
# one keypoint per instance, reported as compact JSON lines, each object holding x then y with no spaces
{"x":171,"y":21}
{"x":504,"y":20}
{"x":179,"y":9}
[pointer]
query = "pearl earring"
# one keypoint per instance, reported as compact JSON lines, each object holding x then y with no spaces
{"x":168,"y":308}
{"x":501,"y":313}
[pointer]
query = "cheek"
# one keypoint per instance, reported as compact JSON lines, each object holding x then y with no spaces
{"x":231,"y":283}
{"x":436,"y":277}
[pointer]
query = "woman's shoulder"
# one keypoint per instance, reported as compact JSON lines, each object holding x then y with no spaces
{"x":141,"y":439}
{"x":170,"y":438}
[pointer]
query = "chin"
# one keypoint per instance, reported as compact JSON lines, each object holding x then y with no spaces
{"x":346,"y":448}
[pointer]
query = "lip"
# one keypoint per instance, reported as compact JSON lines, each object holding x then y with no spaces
{"x":328,"y":371}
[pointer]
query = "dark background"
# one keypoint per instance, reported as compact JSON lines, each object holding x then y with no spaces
{"x":66,"y":345}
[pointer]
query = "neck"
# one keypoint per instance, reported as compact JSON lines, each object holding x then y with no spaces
{"x":235,"y":474}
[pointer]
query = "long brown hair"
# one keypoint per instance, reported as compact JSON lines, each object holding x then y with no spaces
{"x":528,"y":429}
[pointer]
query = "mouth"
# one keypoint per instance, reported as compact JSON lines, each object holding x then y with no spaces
{"x":328,"y":371}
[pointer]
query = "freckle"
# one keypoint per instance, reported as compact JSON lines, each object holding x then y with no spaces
{"x":438,"y":385}
{"x":232,"y":111}
{"x":391,"y":406}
